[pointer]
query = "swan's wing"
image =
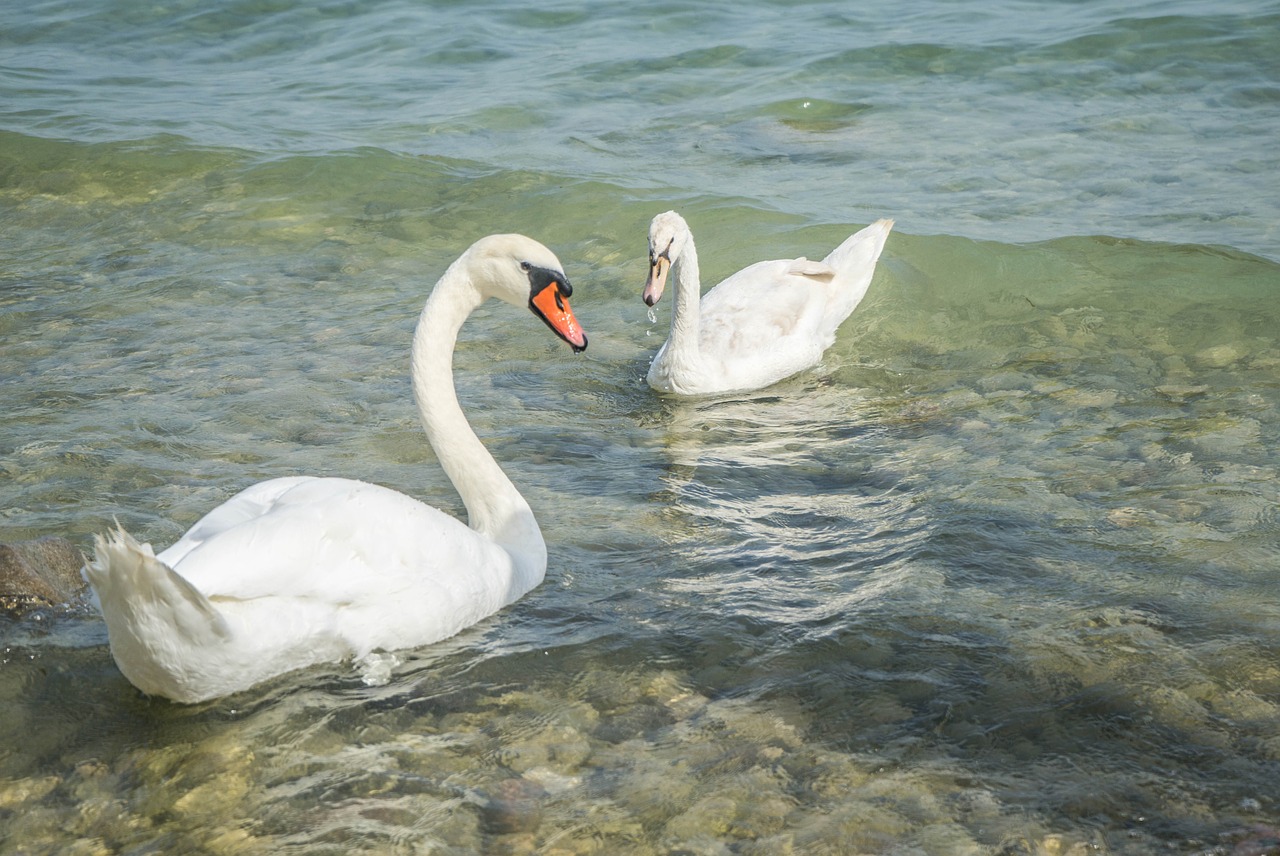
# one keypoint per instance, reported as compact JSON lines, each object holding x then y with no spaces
{"x":248,"y":504}
{"x":336,"y":541}
{"x":764,"y":306}
{"x":762,"y":324}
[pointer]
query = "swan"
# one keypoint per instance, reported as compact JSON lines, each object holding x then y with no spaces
{"x":301,"y":570}
{"x":762,"y":324}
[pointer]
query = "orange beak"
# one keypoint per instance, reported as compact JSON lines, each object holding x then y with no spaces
{"x":553,"y":307}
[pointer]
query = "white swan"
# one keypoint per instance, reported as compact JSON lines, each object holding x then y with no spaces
{"x":762,"y":324}
{"x":297,"y":571}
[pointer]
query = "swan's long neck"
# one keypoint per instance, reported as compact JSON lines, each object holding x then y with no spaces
{"x":494,"y":507}
{"x":683,"y":339}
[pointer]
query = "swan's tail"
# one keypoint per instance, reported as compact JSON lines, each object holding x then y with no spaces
{"x":151,"y":612}
{"x":855,"y":262}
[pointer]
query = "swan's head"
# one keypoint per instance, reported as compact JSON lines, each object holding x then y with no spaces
{"x":668,"y":234}
{"x":523,"y":272}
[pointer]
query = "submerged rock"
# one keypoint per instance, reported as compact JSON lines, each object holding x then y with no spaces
{"x":40,"y":573}
{"x":513,"y":806}
{"x":1220,"y":356}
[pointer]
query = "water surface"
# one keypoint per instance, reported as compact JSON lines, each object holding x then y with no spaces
{"x":998,"y":577}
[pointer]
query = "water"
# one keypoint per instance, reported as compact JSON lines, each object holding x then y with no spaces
{"x":999,"y":577}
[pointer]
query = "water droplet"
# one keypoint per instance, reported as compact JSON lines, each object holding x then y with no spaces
{"x":653,"y":315}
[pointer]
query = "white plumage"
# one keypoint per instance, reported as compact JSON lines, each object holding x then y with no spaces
{"x":302,"y":570}
{"x":760,"y":325}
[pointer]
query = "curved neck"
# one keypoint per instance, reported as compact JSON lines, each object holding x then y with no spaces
{"x":687,"y":304}
{"x":494,"y":507}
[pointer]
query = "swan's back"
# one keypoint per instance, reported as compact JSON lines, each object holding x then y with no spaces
{"x":762,"y":324}
{"x":327,"y":539}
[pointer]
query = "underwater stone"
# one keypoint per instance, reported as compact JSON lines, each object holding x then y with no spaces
{"x":661,"y":781}
{"x":833,"y":775}
{"x":1246,"y":706}
{"x":1056,"y":845}
{"x":1219,"y":356}
{"x":40,"y":828}
{"x":774,"y":845}
{"x":212,"y":800}
{"x":567,"y":748}
{"x":1172,"y":707}
{"x":950,"y":838}
{"x":700,"y":846}
{"x":232,"y":841}
{"x":859,"y":826}
{"x":1099,"y":398}
{"x":39,"y":573}
{"x":85,"y":847}
{"x":1181,"y":391}
{"x":523,"y":755}
{"x":22,"y":791}
{"x":515,"y":805}
{"x":710,"y":816}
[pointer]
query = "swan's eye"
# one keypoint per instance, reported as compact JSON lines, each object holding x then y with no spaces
{"x":526,"y":267}
{"x":540,"y":279}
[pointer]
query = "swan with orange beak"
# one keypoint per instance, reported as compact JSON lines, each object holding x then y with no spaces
{"x":300,"y":570}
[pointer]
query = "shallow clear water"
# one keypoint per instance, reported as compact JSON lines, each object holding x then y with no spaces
{"x":1000,"y":576}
